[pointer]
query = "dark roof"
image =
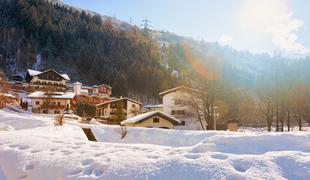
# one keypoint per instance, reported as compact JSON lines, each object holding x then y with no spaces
{"x":36,"y":73}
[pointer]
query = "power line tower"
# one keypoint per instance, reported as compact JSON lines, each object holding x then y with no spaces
{"x":130,"y":21}
{"x":146,"y":24}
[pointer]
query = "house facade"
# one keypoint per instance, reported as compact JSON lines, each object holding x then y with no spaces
{"x":102,"y":91}
{"x":51,"y":103}
{"x":8,"y":99}
{"x":152,"y":119}
{"x":176,"y":103}
{"x":47,"y":80}
{"x":107,"y":110}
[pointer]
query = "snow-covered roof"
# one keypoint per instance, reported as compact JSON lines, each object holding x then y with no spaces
{"x":54,"y":95}
{"x":86,"y":87}
{"x":97,"y":86}
{"x":115,"y":100}
{"x":8,"y":95}
{"x":144,"y":116}
{"x":179,"y":88}
{"x":35,"y":73}
{"x":65,"y":76}
{"x":153,"y":106}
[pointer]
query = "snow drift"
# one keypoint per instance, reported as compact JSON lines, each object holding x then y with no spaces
{"x":48,"y":152}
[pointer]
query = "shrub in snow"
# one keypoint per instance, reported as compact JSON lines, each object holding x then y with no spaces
{"x":59,"y":120}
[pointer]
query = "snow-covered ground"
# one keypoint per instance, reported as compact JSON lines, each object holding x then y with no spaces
{"x":38,"y":150}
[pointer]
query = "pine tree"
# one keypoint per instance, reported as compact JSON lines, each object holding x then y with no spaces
{"x":119,"y":114}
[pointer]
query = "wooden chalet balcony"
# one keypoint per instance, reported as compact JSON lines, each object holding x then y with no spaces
{"x":49,"y":84}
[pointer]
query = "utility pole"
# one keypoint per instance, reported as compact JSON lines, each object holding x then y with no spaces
{"x":146,"y":24}
{"x":130,"y":20}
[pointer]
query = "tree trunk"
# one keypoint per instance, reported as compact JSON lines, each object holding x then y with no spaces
{"x":300,"y":121}
{"x":288,"y":120}
{"x":282,"y":121}
{"x":268,"y":117}
{"x":277,"y":124}
{"x":199,"y":117}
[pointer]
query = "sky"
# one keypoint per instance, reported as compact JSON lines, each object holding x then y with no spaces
{"x":255,"y":25}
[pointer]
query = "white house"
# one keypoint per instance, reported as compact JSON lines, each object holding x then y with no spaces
{"x":51,"y":103}
{"x":176,"y":103}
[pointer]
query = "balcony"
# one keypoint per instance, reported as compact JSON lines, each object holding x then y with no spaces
{"x":52,"y":106}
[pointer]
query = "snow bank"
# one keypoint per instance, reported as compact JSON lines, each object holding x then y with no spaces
{"x":228,"y":142}
{"x":164,"y":137}
{"x":24,"y":120}
{"x":29,"y":156}
{"x":42,"y":151}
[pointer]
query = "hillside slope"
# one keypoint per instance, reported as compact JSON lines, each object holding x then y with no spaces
{"x":90,"y":48}
{"x":242,"y":68}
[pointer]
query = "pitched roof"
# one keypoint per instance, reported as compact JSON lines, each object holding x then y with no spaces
{"x":179,"y":88}
{"x":36,"y":73}
{"x":153,"y":106}
{"x":142,"y":117}
{"x":8,"y":95}
{"x":54,"y":95}
{"x":33,"y":72}
{"x":115,"y":100}
{"x":96,"y":86}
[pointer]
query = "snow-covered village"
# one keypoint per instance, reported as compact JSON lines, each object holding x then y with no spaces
{"x":88,"y":92}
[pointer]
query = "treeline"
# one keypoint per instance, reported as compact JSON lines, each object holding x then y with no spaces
{"x":277,"y":96}
{"x":90,"y":49}
{"x":284,"y":96}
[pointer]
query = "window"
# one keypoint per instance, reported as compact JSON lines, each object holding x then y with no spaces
{"x":173,"y":112}
{"x":58,"y":103}
{"x":183,"y":123}
{"x":178,"y":112}
{"x":37,"y":102}
{"x":177,"y":102}
{"x":105,"y":112}
{"x":133,"y":105}
{"x":182,"y":112}
{"x":57,"y":111}
{"x":156,"y":120}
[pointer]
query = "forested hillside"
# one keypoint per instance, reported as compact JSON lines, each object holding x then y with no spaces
{"x":254,"y":88}
{"x":90,"y":48}
{"x":242,"y":68}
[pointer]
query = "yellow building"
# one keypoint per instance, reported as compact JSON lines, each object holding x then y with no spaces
{"x":107,"y":110}
{"x":153,"y":119}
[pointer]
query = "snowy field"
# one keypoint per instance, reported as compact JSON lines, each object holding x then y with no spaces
{"x":32,"y":148}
